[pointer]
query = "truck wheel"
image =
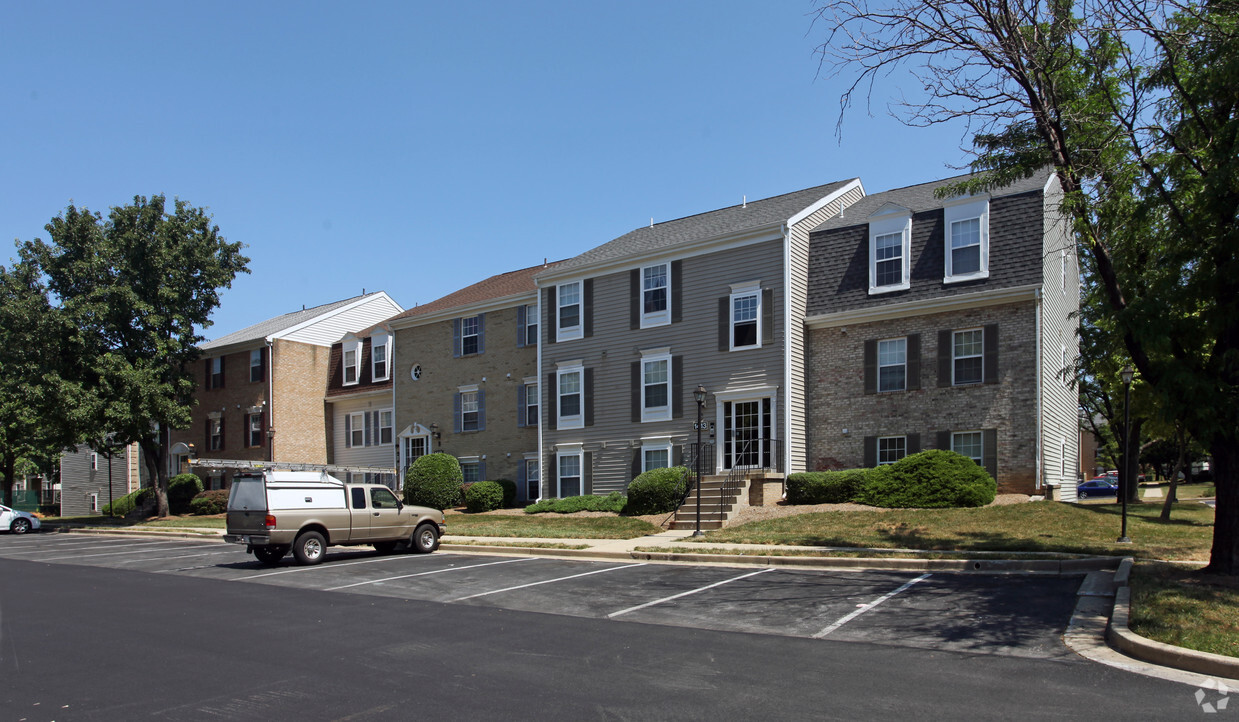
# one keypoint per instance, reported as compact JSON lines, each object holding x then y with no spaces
{"x":270,"y":554}
{"x":425,"y":539}
{"x":384,"y":547}
{"x":309,"y":548}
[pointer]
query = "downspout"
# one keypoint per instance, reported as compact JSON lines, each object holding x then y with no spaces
{"x":787,"y":358}
{"x":270,"y":400}
{"x":542,"y":409}
{"x":1039,"y":446}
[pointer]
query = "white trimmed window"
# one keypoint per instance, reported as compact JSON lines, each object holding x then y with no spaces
{"x":378,"y":358}
{"x":655,"y":295}
{"x":216,"y":433}
{"x":533,"y":478}
{"x":570,"y":401}
{"x":569,"y":311}
{"x":968,"y":443}
{"x":891,"y":449}
{"x":531,"y":404}
{"x":386,"y":426}
{"x":253,"y":430}
{"x":352,"y":363}
{"x":469,"y":335}
{"x":656,"y":386}
{"x":570,"y":479}
{"x":890,"y":250}
{"x":215,"y":372}
{"x":655,"y":454}
{"x":357,"y":429}
{"x":967,"y":240}
{"x":746,"y":318}
{"x":893,"y":364}
{"x":469,"y":411}
{"x":968,"y":356}
{"x":531,"y":324}
{"x":471,"y":471}
{"x":94,"y":461}
{"x":256,"y":365}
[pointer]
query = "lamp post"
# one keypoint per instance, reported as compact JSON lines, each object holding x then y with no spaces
{"x":700,"y":396}
{"x":1125,"y":475}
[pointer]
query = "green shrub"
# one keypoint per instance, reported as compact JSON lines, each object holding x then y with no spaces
{"x":930,"y":479}
{"x":509,"y":492}
{"x":657,"y":491}
{"x":127,"y":503}
{"x":434,"y":480}
{"x":182,"y":488}
{"x":613,"y":502}
{"x":484,"y":496}
{"x":214,"y":501}
{"x":825,"y":487}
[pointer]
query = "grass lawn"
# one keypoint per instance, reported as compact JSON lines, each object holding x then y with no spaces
{"x":1184,"y":491}
{"x":1044,"y":526}
{"x":541,"y":527}
{"x":198,"y":522}
{"x":1177,"y":605}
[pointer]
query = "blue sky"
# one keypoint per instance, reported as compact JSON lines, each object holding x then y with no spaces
{"x":418,"y":147}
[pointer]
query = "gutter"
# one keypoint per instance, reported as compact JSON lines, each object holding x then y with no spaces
{"x":270,"y":399}
{"x":1039,"y":446}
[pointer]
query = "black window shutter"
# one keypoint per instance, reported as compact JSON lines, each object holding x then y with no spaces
{"x":222,"y":366}
{"x":456,"y":338}
{"x":520,"y":326}
{"x":991,"y":353}
{"x":588,"y":397}
{"x":636,"y":462}
{"x":206,"y":374}
{"x":481,"y":333}
{"x":989,"y":451}
{"x":914,"y":361}
{"x":348,"y":431}
{"x":677,"y":296}
{"x":262,"y":364}
{"x":587,"y":473}
{"x":871,"y":366}
{"x":521,"y":491}
{"x":871,"y":451}
{"x":944,"y":440}
{"x":634,"y":299}
{"x":767,"y":315}
{"x":552,"y":315}
{"x":550,"y":476}
{"x":724,"y":324}
{"x":365,"y":434}
{"x":481,"y":409}
{"x":223,"y":432}
{"x":636,"y":392}
{"x":914,"y":444}
{"x":456,"y":415}
{"x":482,"y":470}
{"x":207,"y":444}
{"x":587,"y":307}
{"x":677,"y":387}
{"x":552,"y":400}
{"x":520,"y":406}
{"x":944,"y":357}
{"x":677,"y":455}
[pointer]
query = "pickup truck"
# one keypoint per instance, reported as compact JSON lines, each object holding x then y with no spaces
{"x":272,"y":512}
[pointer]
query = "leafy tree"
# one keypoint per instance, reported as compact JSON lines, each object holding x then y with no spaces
{"x":137,"y":287}
{"x":1135,"y":104}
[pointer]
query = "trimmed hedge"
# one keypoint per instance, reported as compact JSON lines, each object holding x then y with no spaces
{"x":932,"y":479}
{"x":434,"y":480}
{"x":484,"y":496}
{"x":127,"y":503}
{"x":214,"y":501}
{"x":826,"y":487}
{"x":657,"y":491}
{"x":182,"y":488}
{"x":613,"y":502}
{"x":509,"y":492}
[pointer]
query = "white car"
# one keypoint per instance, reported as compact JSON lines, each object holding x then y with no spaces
{"x":18,"y":522}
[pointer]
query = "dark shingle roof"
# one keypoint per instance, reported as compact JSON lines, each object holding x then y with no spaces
{"x":725,"y":221}
{"x":264,"y":329}
{"x":498,"y":286}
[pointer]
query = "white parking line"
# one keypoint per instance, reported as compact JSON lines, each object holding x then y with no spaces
{"x":685,"y":594}
{"x":111,"y":545}
{"x":114,"y":554}
{"x":178,"y":556}
{"x":844,"y":620}
{"x":547,"y":581}
{"x":422,"y":574}
{"x":329,"y":566}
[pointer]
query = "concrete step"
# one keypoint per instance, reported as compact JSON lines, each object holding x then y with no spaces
{"x":693,"y":525}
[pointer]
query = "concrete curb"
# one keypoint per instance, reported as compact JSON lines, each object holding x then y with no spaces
{"x":1119,"y":634}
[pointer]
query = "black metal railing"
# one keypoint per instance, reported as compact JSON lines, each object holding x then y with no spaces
{"x":746,"y":455}
{"x":706,"y":454}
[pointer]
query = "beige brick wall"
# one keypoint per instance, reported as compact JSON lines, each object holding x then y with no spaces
{"x":837,"y":400}
{"x":498,"y":371}
{"x":300,"y":376}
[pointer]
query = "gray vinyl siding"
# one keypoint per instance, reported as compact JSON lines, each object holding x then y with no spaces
{"x":1060,"y":303}
{"x":797,"y":302}
{"x":78,"y":481}
{"x":613,"y":439}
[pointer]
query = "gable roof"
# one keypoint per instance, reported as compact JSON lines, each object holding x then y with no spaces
{"x":287,"y":322}
{"x":750,"y":216}
{"x":503,"y":285}
{"x":919,"y":198}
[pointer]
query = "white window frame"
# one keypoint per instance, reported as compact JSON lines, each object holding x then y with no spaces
{"x":570,"y":333}
{"x":532,"y":403}
{"x":902,"y":439}
{"x":387,"y":425}
{"x":980,"y":445}
{"x":250,"y":418}
{"x":94,"y":461}
{"x":473,"y":465}
{"x":955,"y":358}
{"x":570,"y":451}
{"x":575,"y":421}
{"x":966,"y":209}
{"x":255,"y":363}
{"x":738,"y":292}
{"x":886,"y":224}
{"x":656,"y":413}
{"x":357,"y":425}
{"x":467,"y":399}
{"x":94,"y":501}
{"x":531,"y":324}
{"x":216,"y":365}
{"x":650,"y":319}
{"x":377,"y":343}
{"x":216,"y":424}
{"x":655,"y":445}
{"x":354,"y":364}
{"x":903,"y":364}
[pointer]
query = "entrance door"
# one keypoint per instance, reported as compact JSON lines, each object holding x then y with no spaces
{"x":746,"y":433}
{"x":415,"y":447}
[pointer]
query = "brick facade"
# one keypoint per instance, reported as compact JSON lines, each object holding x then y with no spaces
{"x":300,"y":383}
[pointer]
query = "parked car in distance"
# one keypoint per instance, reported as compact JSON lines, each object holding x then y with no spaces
{"x":17,"y":522}
{"x":1098,"y":487}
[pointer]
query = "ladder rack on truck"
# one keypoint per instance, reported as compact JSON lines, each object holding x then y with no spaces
{"x":243,"y":465}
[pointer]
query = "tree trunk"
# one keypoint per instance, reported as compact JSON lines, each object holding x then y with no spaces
{"x":1171,"y":493}
{"x":153,"y":453}
{"x":1224,"y":557}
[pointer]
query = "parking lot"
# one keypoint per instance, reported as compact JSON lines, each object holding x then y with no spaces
{"x":1012,"y":615}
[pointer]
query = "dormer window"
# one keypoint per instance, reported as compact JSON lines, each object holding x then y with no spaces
{"x":966,"y":239}
{"x":379,"y":346}
{"x":352,"y":362}
{"x":890,"y":241}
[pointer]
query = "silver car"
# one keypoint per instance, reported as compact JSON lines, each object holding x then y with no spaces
{"x":17,"y":522}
